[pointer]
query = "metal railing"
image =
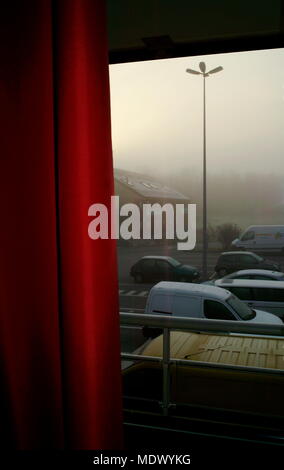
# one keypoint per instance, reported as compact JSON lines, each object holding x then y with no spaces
{"x":167,"y":323}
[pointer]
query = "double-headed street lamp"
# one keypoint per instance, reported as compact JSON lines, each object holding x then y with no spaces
{"x":205,"y":74}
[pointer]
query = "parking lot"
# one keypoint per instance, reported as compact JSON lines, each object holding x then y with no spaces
{"x":133,"y":297}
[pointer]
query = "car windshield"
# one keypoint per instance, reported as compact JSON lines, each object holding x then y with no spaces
{"x":174,"y":262}
{"x":259,"y":258}
{"x":240,"y":308}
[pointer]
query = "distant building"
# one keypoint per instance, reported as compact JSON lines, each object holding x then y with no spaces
{"x":135,"y":188}
{"x":141,"y":189}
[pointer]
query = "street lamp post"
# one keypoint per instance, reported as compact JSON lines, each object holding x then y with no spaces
{"x":205,"y":74}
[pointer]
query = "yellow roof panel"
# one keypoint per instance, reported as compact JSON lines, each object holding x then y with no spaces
{"x":223,"y":349}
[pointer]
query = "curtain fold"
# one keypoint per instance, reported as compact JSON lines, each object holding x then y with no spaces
{"x":88,"y":267}
{"x":59,"y":322}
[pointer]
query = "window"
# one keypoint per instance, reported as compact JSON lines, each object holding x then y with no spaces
{"x":157,"y":135}
{"x":247,"y":259}
{"x":243,"y":310}
{"x":217,"y":311}
{"x":232,"y":259}
{"x":248,"y":236}
{"x":163,"y":266}
{"x":268,"y":294}
{"x":258,"y":258}
{"x":174,"y":262}
{"x":243,"y":293}
{"x":277,"y":295}
{"x":147,"y":264}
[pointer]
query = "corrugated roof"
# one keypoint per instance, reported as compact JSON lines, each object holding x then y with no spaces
{"x":223,"y":349}
{"x":147,"y":187}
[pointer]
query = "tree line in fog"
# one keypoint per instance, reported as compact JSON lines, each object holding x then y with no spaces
{"x":242,"y":199}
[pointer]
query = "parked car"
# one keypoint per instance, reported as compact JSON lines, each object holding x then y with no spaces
{"x":257,"y":274}
{"x":263,"y":295}
{"x":231,"y":261}
{"x":158,"y":268}
{"x":261,"y":237}
{"x":202,"y":301}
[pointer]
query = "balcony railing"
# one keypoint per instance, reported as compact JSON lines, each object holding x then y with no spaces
{"x":168,"y":323}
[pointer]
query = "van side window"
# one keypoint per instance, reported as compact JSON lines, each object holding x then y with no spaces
{"x":248,"y":235}
{"x":264,"y":295}
{"x":243,"y":293}
{"x":268,"y":295}
{"x":217,"y":311}
{"x":278,"y":295}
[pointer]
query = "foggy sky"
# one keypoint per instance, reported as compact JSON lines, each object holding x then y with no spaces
{"x":157,"y":118}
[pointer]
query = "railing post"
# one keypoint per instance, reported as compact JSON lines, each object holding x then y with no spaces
{"x":166,"y":371}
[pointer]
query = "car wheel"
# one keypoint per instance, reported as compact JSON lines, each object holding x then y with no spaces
{"x":138,"y":278}
{"x":222,"y":272}
{"x":183,"y":279}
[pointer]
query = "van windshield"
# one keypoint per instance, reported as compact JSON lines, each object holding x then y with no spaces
{"x":240,"y":308}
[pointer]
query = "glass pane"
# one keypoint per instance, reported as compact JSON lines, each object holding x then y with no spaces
{"x":216,"y":310}
{"x":157,"y":135}
{"x":243,"y":293}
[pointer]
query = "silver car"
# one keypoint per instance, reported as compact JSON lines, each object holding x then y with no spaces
{"x":260,"y":274}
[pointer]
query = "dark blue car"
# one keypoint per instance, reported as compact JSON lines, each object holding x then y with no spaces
{"x":163,"y":268}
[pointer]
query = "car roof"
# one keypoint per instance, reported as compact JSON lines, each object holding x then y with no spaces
{"x":186,"y":287}
{"x":249,"y":283}
{"x":237,"y":253}
{"x":157,"y":257}
{"x":256,"y":271}
{"x":264,"y":226}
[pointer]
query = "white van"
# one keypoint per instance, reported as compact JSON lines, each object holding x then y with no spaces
{"x":202,"y":301}
{"x":260,"y":294}
{"x":261,"y":237}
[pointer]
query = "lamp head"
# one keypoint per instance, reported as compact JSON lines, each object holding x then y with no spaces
{"x":194,"y":72}
{"x":217,"y":69}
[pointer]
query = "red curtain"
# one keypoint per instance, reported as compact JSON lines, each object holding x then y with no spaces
{"x":59,"y":323}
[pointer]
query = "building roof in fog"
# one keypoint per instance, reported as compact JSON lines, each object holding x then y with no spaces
{"x":147,"y":187}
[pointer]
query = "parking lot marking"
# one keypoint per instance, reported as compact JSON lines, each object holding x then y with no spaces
{"x":143,"y":293}
{"x":131,"y":292}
